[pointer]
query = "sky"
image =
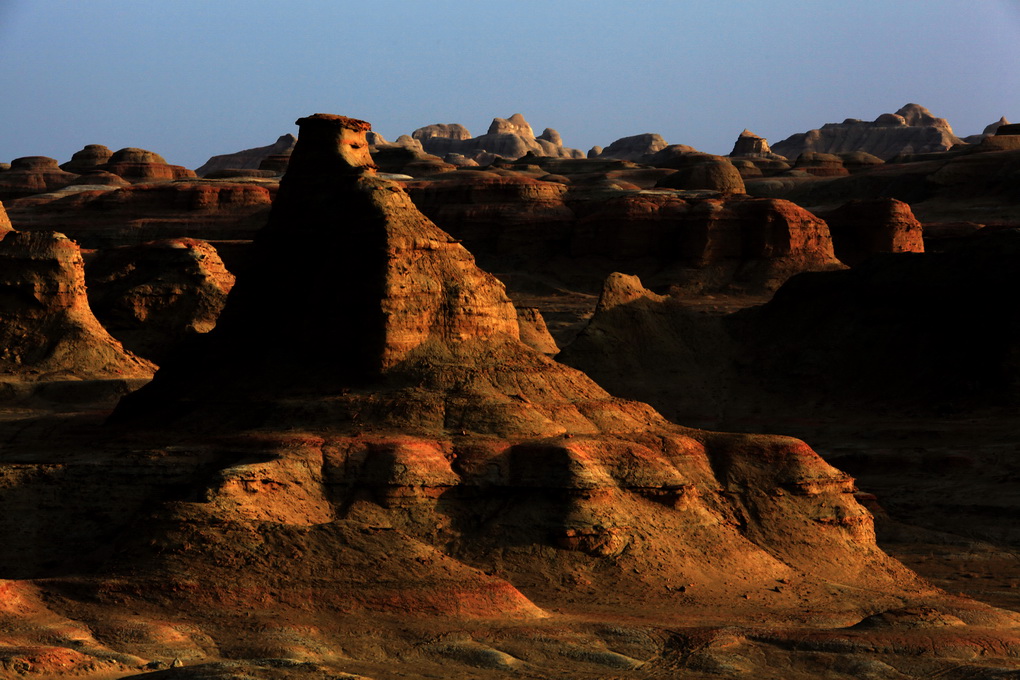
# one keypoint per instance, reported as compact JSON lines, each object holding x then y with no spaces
{"x":190,"y":79}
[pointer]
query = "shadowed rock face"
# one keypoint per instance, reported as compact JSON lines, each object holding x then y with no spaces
{"x":153,"y":296}
{"x":882,"y":225}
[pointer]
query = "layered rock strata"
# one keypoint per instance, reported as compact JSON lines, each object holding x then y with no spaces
{"x":48,"y":331}
{"x":154,"y":296}
{"x":506,"y":138}
{"x":912,"y":129}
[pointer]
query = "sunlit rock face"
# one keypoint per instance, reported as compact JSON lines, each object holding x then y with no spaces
{"x":48,"y":330}
{"x":365,"y":466}
{"x":912,"y":129}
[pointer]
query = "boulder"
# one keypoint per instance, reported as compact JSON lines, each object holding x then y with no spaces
{"x":704,"y":172}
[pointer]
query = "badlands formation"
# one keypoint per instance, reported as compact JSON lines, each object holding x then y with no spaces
{"x":369,"y":449}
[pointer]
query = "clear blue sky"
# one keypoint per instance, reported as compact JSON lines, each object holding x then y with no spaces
{"x":189,"y":79}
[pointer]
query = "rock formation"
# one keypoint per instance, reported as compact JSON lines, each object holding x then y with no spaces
{"x":696,"y":171}
{"x":249,"y":158}
{"x":102,"y":214}
{"x":363,"y":470}
{"x":912,"y":129}
{"x":634,"y":147}
{"x":48,"y":331}
{"x":897,"y":333}
{"x":750,"y":144}
{"x":506,"y":138}
{"x":153,"y":296}
{"x":89,"y":158}
{"x":139,"y":165}
{"x":32,"y":175}
{"x":862,"y":228}
{"x":990,"y":129}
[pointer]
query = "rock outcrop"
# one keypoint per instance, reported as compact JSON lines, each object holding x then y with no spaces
{"x":154,"y":296}
{"x":898,"y":333}
{"x":509,"y":138}
{"x":32,"y":175}
{"x":100,"y":213}
{"x":48,"y":331}
{"x":88,"y":159}
{"x":139,"y":165}
{"x":863,"y":228}
{"x":634,"y":147}
{"x":911,"y":130}
{"x":750,"y":144}
{"x":698,"y":171}
{"x":249,"y":158}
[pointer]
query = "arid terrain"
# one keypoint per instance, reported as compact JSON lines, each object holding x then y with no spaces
{"x":487,"y":406}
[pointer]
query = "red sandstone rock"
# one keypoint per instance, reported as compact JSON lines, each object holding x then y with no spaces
{"x":912,"y":129}
{"x":88,"y":159}
{"x":862,"y":228}
{"x":32,"y":175}
{"x":750,"y":144}
{"x":139,"y":165}
{"x":249,"y":158}
{"x":48,"y":331}
{"x":153,"y":296}
{"x":108,"y":215}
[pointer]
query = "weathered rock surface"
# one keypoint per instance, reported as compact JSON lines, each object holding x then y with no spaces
{"x":506,"y":138}
{"x":634,"y":147}
{"x":912,"y":129}
{"x":750,"y":144}
{"x":862,"y":228}
{"x":364,"y":469}
{"x":88,"y":159}
{"x":696,"y":171}
{"x":32,"y":175}
{"x":249,"y":158}
{"x":48,"y":331}
{"x":897,"y":333}
{"x":153,"y":296}
{"x":104,"y":214}
{"x":139,"y":165}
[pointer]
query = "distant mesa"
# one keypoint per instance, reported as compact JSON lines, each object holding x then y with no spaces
{"x":911,"y":130}
{"x":508,"y":138}
{"x":249,"y":158}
